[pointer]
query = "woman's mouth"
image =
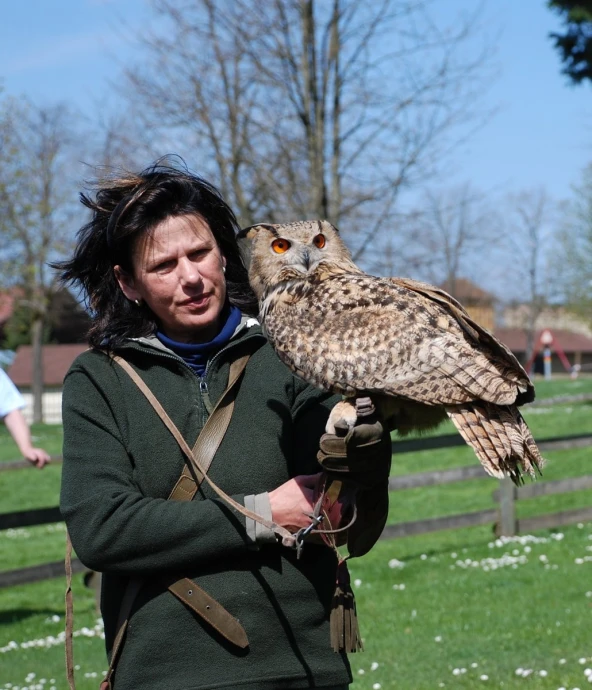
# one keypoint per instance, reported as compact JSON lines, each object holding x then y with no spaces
{"x":197,"y":301}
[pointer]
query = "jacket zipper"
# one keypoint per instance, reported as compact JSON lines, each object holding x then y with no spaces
{"x":205,"y":394}
{"x":203,"y":385}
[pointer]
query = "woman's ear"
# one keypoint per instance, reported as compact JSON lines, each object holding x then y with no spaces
{"x":126,"y":283}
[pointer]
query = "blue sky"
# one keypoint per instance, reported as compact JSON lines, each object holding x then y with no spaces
{"x":53,"y":50}
{"x":542,"y":132}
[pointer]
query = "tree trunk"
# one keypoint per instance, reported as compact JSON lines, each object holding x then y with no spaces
{"x":37,"y":383}
{"x":310,"y":108}
{"x":529,"y":351}
{"x":334,"y":54}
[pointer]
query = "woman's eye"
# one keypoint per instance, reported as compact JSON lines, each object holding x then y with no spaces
{"x":280,"y":245}
{"x":319,"y":241}
{"x":164,"y":266}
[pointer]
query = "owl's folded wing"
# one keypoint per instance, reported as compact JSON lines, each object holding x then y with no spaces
{"x":392,"y":339}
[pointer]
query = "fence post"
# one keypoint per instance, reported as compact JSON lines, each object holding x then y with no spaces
{"x":507,"y":494}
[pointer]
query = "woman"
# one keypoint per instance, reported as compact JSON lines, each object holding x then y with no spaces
{"x":160,"y":266}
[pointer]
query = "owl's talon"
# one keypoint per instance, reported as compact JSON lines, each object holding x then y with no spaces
{"x":343,"y":415}
{"x":364,"y":407}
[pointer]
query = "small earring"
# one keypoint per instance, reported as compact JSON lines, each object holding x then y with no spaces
{"x":223,"y":269}
{"x":138,"y":302}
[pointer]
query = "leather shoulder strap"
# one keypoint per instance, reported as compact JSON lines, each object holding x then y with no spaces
{"x":69,"y":615}
{"x":222,"y":417}
{"x":211,"y":435}
{"x":205,"y":448}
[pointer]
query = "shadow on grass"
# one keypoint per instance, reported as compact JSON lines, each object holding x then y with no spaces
{"x":420,"y":547}
{"x":17,"y":615}
{"x":420,"y":554}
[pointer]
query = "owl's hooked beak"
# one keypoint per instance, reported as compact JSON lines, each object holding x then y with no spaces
{"x":306,"y":258}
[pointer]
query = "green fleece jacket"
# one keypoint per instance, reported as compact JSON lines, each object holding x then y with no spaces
{"x":120,"y":464}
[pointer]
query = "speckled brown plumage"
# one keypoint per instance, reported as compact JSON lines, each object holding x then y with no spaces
{"x":408,"y":345}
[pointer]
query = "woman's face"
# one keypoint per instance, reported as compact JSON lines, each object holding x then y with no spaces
{"x":178,"y":273}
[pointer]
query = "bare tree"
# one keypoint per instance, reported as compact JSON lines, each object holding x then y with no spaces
{"x":117,"y":139}
{"x":300,"y":108}
{"x":449,"y":234}
{"x":573,"y":264}
{"x":528,"y":239}
{"x":35,"y":203}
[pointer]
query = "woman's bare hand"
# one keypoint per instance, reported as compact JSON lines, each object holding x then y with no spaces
{"x":291,"y":503}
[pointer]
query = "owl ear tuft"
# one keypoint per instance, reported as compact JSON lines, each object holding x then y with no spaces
{"x":326,"y":222}
{"x":250,"y":232}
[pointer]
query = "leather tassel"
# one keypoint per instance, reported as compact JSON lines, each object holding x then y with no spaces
{"x":345,"y":633}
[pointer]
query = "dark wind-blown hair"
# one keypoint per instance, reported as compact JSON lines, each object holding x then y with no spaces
{"x":126,"y":207}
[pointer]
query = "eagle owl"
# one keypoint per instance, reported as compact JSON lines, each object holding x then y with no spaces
{"x":409,"y":346}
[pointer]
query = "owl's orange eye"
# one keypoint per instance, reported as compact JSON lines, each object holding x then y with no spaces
{"x":319,"y":241}
{"x":280,"y":245}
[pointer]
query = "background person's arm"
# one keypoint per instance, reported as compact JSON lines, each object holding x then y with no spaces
{"x":19,"y":430}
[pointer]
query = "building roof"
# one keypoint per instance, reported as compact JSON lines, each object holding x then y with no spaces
{"x":67,"y":321}
{"x":56,"y":362}
{"x":465,"y":292}
{"x":568,"y":341}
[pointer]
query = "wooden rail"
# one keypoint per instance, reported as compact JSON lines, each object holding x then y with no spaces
{"x":403,"y":446}
{"x":565,"y":517}
{"x":22,"y":464}
{"x":560,"y":486}
{"x":30,"y":518}
{"x":454,"y":440}
{"x":408,"y":529}
{"x":503,"y":517}
{"x":36,"y":573}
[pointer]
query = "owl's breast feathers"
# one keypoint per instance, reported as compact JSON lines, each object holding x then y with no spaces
{"x":357,"y":334}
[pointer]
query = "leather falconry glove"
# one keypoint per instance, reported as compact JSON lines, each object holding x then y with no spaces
{"x":359,"y":456}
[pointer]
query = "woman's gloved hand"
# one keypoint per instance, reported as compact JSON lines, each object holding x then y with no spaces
{"x":359,"y":451}
{"x":359,"y":455}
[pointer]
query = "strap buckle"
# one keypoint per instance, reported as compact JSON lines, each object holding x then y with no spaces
{"x":305,"y":531}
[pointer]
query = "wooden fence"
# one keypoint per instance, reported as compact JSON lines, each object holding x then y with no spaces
{"x":503,"y":517}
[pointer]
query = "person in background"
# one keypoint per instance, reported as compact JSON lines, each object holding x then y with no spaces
{"x":11,"y":404}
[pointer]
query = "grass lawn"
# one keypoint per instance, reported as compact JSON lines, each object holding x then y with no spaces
{"x":463,"y":602}
{"x":31,"y":624}
{"x":47,"y":436}
{"x":463,"y":606}
{"x":562,"y":385}
{"x":471,"y":612}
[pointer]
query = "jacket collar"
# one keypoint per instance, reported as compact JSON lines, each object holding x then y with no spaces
{"x":248,"y":326}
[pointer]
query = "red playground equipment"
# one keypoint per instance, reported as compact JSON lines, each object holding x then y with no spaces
{"x":548,"y":344}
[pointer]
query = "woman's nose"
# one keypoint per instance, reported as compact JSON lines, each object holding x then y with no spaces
{"x":189,"y":272}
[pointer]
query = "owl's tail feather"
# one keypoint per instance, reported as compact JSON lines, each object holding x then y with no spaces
{"x":500,"y":438}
